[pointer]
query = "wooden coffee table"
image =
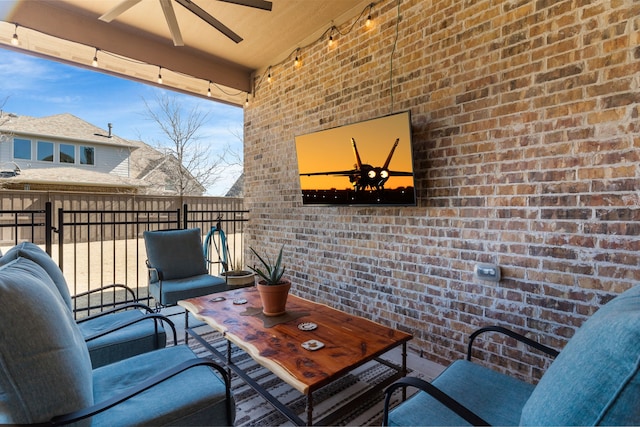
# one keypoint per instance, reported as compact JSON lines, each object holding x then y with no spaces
{"x":349,"y":342}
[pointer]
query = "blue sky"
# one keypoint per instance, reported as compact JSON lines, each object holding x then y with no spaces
{"x":38,"y":87}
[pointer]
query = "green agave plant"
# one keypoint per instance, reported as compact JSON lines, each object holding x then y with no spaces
{"x":271,"y":273}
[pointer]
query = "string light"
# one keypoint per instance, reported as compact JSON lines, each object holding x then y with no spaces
{"x":95,"y":59}
{"x":94,"y":62}
{"x":297,"y":61}
{"x":246,"y":101}
{"x":14,"y":40}
{"x":368,"y":9}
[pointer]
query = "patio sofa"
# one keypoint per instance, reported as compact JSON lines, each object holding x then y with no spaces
{"x":46,"y":374}
{"x":595,"y":380}
{"x":129,"y":329}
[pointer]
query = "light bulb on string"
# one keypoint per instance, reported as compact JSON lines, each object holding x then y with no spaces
{"x":368,"y":21}
{"x":269,"y":76}
{"x":14,"y":39}
{"x":95,"y":59}
{"x":209,"y":89}
{"x":296,"y":62}
{"x":160,"y":75}
{"x":246,"y":101}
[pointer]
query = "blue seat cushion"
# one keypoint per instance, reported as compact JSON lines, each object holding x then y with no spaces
{"x":595,"y":379}
{"x":129,"y":341}
{"x":176,"y":253}
{"x":39,"y":256}
{"x":45,"y":368}
{"x":190,"y":287}
{"x":194,"y":397}
{"x":495,"y":397}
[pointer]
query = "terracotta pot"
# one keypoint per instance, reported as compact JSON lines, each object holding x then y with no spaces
{"x":274,"y":297}
{"x":238,"y":278}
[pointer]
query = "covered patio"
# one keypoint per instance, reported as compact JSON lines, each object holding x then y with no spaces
{"x":524,"y":126}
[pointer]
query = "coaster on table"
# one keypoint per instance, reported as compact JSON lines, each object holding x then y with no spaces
{"x":307,"y":326}
{"x":312,"y":345}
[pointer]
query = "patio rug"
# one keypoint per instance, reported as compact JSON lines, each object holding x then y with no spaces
{"x":253,"y":410}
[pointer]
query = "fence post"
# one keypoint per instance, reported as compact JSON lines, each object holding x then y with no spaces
{"x":185,"y":211}
{"x":48,"y":227}
{"x":60,"y":238}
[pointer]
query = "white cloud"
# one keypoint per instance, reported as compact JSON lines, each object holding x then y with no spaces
{"x":19,"y":72}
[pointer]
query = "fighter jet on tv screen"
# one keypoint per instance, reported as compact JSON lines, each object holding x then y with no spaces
{"x":363,"y":175}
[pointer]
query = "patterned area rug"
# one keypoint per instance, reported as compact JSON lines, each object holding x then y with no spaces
{"x":253,"y":410}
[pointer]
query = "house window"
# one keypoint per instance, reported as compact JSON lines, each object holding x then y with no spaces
{"x":45,"y":151}
{"x":21,"y":149}
{"x":67,"y":153}
{"x":87,"y":156}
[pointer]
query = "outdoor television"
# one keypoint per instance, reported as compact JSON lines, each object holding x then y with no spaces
{"x":365,"y":163}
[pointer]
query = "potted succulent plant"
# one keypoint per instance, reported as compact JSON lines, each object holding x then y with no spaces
{"x":272,"y":286}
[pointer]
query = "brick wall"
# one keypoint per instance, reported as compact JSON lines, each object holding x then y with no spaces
{"x":525,"y":132}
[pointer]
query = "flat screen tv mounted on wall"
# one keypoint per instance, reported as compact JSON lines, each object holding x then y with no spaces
{"x":365,"y":163}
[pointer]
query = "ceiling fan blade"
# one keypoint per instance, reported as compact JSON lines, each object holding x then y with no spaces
{"x":118,"y":9}
{"x":172,"y":22}
{"x":258,"y":4}
{"x":200,"y":13}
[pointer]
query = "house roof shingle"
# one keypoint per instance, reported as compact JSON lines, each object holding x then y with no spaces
{"x":62,"y":126}
{"x":72,"y":176}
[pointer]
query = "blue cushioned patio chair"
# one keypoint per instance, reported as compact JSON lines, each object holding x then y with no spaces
{"x":46,"y":375}
{"x":595,"y":380}
{"x":123,"y":331}
{"x":177,"y":266}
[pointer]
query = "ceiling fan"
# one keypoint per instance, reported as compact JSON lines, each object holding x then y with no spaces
{"x":172,"y":22}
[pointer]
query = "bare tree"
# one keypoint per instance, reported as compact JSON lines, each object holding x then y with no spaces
{"x":192,"y":164}
{"x":5,"y":136}
{"x":4,"y":117}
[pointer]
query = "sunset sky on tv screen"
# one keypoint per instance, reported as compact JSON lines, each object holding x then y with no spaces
{"x":331,"y":150}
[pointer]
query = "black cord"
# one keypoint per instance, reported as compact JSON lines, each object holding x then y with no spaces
{"x":395,"y":42}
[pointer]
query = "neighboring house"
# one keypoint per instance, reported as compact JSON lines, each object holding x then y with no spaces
{"x":65,"y":153}
{"x":158,"y":170}
{"x":237,"y":189}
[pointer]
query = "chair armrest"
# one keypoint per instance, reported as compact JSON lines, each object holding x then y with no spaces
{"x":543,"y":348}
{"x":156,"y":379}
{"x":151,"y":269}
{"x":104,"y":288}
{"x":138,"y":305}
{"x":436,"y":393}
{"x":154,"y":316}
{"x":130,"y":296}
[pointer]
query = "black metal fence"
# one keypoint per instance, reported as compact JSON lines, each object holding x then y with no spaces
{"x":95,"y":248}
